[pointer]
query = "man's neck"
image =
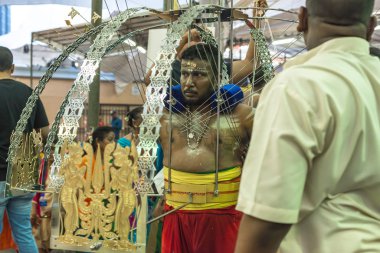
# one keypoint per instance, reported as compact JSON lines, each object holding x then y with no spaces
{"x":322,"y":32}
{"x":201,"y":107}
{"x":5,"y":75}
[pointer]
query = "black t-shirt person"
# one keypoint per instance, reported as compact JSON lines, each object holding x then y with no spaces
{"x":13,"y":98}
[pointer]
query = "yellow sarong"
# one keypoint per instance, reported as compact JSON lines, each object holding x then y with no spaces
{"x":201,"y":187}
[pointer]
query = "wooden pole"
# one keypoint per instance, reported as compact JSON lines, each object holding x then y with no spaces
{"x":168,"y":5}
{"x":93,"y":100}
{"x":31,"y":62}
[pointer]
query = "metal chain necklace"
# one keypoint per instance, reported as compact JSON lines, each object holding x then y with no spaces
{"x":195,"y":127}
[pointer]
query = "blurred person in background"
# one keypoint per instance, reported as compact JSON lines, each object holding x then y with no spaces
{"x":13,"y":98}
{"x":116,"y":124}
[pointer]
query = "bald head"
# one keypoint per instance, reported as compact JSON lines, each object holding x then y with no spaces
{"x":341,"y":12}
{"x":324,"y":20}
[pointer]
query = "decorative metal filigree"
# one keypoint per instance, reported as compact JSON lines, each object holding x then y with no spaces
{"x":32,"y":100}
{"x":156,"y":92}
{"x":79,"y":93}
{"x":25,"y":163}
{"x":73,"y":171}
{"x":264,"y":54}
{"x":56,"y":181}
{"x":97,"y":197}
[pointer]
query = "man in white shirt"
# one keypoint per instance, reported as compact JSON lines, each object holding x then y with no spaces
{"x":311,"y":179}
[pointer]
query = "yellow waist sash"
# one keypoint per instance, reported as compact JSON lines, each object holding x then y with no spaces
{"x":201,"y":187}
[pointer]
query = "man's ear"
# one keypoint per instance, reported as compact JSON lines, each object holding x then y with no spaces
{"x":12,"y":68}
{"x":302,"y":20}
{"x":371,"y":27}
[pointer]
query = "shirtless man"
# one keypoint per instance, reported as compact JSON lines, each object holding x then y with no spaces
{"x":210,"y":222}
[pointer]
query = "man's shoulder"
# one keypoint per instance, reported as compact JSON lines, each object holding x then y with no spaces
{"x":324,"y":68}
{"x":16,"y":85}
{"x":299,"y":77}
{"x":14,"y":82}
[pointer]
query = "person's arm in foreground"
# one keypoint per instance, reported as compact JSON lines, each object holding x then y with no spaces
{"x":292,"y":133}
{"x":242,"y":69}
{"x":259,"y":236}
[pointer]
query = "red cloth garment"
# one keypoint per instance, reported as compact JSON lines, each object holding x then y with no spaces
{"x":36,"y":199}
{"x":199,"y":231}
{"x":6,"y":239}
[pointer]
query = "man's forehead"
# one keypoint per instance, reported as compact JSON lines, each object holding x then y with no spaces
{"x":196,"y":63}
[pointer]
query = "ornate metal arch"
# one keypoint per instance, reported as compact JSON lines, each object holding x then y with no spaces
{"x":71,"y":111}
{"x":17,"y":136}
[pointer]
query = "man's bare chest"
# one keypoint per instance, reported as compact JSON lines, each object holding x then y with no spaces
{"x":202,"y":129}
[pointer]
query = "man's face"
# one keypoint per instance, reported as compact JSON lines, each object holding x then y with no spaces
{"x":137,"y":122}
{"x":196,"y":81}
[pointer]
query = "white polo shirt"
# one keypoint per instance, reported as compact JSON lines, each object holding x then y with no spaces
{"x":314,"y":157}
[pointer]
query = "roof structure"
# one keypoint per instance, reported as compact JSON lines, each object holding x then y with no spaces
{"x":62,"y":37}
{"x":282,"y":26}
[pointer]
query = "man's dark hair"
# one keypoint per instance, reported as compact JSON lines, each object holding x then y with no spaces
{"x":341,"y":12}
{"x":205,"y":52}
{"x":6,"y":58}
{"x":134,"y":114}
{"x":99,"y":134}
